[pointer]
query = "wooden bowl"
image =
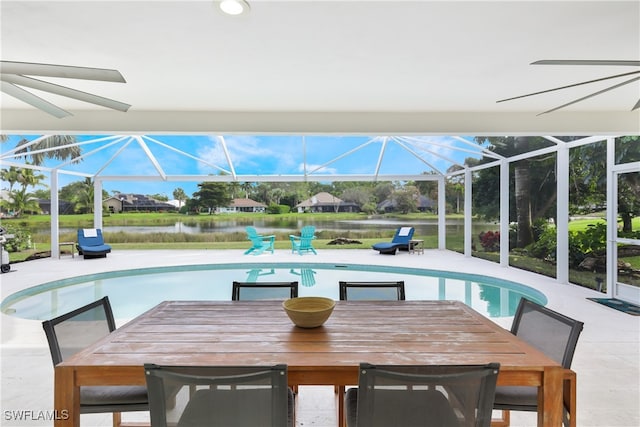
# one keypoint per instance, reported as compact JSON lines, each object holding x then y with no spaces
{"x":309,"y":312}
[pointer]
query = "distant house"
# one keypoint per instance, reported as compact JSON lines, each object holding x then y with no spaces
{"x":424,"y":204}
{"x":326,"y":202}
{"x":135,"y":203}
{"x":177,"y":203}
{"x":64,"y":207}
{"x":243,"y":205}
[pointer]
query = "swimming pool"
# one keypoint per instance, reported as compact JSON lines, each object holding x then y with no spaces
{"x":134,"y":291}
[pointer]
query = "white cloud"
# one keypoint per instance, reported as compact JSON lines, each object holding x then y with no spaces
{"x":250,"y":154}
{"x":310,"y":167}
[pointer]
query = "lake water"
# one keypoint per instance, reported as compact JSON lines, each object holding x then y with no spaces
{"x":423,"y":227}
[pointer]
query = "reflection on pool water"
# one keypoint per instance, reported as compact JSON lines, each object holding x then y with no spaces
{"x":134,"y":291}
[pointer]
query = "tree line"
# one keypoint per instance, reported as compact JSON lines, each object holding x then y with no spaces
{"x":533,"y":189}
{"x":365,"y":195}
{"x":532,"y":185}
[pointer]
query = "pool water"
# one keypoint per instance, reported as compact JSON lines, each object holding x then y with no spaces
{"x":132,"y":292}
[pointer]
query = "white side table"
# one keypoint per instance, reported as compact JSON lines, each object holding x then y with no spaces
{"x":73,"y":248}
{"x":416,"y":246}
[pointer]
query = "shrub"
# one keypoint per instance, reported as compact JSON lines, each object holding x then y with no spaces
{"x":369,"y":208}
{"x":21,"y":239}
{"x":539,"y":226}
{"x":590,"y":242}
{"x":278,"y":209}
{"x":545,"y":245}
{"x":490,"y":240}
{"x":593,"y":240}
{"x":576,"y":256}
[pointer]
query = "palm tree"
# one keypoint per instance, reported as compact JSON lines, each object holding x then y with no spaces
{"x":523,"y":194}
{"x":83,"y":198}
{"x":60,"y":147}
{"x":275,"y":194}
{"x":20,"y":201}
{"x":246,"y":187}
{"x":11,"y":175}
{"x":180,"y":196}
{"x":234,"y":189}
{"x":28,"y":178}
{"x":524,"y":173}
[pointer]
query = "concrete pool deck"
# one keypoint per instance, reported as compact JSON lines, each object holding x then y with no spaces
{"x":607,"y":359}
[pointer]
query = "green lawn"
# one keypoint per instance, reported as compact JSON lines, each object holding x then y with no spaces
{"x":238,"y":240}
{"x":163,"y":218}
{"x":582,"y":223}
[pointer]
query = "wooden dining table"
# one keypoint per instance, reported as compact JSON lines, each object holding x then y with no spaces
{"x":260,"y":333}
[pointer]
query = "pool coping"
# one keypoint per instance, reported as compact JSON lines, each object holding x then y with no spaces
{"x":10,"y":300}
{"x":606,"y":360}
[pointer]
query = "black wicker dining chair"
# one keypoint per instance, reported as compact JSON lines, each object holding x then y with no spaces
{"x":224,"y":396}
{"x":422,"y":395}
{"x":254,"y":291}
{"x":372,"y":291}
{"x":71,"y":332}
{"x":248,"y":291}
{"x":554,"y":334}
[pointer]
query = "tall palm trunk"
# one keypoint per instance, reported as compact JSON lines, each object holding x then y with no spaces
{"x":523,"y":196}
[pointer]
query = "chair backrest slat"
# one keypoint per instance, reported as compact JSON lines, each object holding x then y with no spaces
{"x":553,"y":333}
{"x":426,"y":395}
{"x":71,"y":332}
{"x":230,"y":396}
{"x":372,"y":291}
{"x":307,"y":234}
{"x":264,"y":291}
{"x":251,"y":232}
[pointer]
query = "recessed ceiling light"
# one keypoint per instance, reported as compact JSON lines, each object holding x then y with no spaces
{"x":234,"y":7}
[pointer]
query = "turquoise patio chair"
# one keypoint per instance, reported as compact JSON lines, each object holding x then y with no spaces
{"x":303,"y":242}
{"x":255,"y":273}
{"x":307,"y":276}
{"x":259,"y":243}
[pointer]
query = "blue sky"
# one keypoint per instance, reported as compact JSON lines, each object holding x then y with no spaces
{"x":249,"y":154}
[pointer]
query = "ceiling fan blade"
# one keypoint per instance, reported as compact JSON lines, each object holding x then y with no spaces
{"x":591,"y":95}
{"x":64,"y":91}
{"x":33,"y":100}
{"x":64,"y":71}
{"x":568,"y":86}
{"x":585,"y":62}
{"x":635,"y":107}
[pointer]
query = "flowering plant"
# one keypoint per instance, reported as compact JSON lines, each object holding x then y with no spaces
{"x":490,"y":241}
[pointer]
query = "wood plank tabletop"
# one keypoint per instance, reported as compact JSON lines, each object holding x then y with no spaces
{"x":260,"y":333}
{"x":252,"y":332}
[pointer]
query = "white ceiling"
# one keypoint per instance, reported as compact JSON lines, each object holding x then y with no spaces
{"x":381,"y":67}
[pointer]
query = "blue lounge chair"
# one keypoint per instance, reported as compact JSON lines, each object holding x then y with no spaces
{"x":303,"y":242}
{"x":259,"y":243}
{"x":400,"y":242}
{"x":91,"y":243}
